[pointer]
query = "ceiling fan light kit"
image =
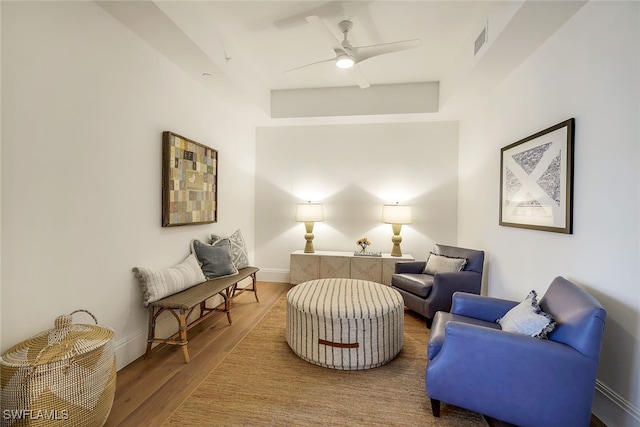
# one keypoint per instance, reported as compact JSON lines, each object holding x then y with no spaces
{"x":344,"y":61}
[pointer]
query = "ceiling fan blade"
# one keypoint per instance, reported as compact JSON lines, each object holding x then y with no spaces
{"x":325,"y":31}
{"x":332,"y":9}
{"x":365,"y":52}
{"x":308,"y":65}
{"x":358,"y":76}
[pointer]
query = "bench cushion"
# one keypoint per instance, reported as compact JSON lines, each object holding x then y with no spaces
{"x":158,"y":283}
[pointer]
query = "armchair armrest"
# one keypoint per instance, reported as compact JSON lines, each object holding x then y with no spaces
{"x":446,"y":284}
{"x":480,"y":307}
{"x":411,"y":267}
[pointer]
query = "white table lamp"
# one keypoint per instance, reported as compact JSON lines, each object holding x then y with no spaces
{"x":309,"y":213}
{"x":396,"y":215}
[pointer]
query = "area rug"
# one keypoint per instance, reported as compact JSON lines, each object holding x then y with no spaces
{"x":263,"y":383}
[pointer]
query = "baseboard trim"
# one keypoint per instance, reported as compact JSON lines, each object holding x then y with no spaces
{"x":620,"y":402}
{"x":128,"y":348}
{"x":273,"y":275}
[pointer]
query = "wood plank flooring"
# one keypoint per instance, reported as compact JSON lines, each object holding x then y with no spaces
{"x":149,"y":390}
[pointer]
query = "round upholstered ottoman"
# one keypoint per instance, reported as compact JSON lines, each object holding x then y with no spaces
{"x":345,"y":323}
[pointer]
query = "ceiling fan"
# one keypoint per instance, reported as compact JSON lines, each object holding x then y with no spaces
{"x":348,"y":56}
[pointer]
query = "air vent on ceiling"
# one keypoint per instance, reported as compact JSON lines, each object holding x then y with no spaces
{"x":480,"y":41}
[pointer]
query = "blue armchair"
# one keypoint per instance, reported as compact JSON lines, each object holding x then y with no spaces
{"x":516,"y":378}
{"x":428,"y":293}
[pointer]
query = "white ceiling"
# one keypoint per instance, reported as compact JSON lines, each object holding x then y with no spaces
{"x":248,"y":45}
{"x":274,"y":37}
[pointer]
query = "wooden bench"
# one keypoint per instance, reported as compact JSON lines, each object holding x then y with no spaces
{"x":182,"y":304}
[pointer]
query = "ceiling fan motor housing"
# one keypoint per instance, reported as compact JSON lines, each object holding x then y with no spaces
{"x":345,"y":26}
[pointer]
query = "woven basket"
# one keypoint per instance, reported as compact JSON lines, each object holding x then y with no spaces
{"x":65,"y":376}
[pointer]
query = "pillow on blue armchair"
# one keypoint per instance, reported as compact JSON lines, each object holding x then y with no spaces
{"x":527,"y":318}
{"x":443,"y":264}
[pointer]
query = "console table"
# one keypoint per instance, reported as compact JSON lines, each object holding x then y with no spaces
{"x":329,"y":264}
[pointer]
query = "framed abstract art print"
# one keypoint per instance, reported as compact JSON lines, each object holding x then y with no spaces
{"x":536,"y":180}
{"x":189,"y":181}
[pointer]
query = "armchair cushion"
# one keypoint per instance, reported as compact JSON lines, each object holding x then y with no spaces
{"x":443,"y":264}
{"x":527,"y":318}
{"x":417,"y":284}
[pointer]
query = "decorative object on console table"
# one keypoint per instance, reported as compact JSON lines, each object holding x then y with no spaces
{"x":309,"y":213}
{"x":373,"y":254}
{"x":189,"y":182}
{"x":364,"y":243}
{"x":536,"y":180}
{"x":396,"y":215}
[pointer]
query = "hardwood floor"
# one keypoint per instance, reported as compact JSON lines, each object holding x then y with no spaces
{"x":149,"y":390}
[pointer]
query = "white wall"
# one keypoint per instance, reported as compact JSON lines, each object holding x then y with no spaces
{"x":590,"y":70}
{"x":353,"y":170}
{"x":84,"y":103}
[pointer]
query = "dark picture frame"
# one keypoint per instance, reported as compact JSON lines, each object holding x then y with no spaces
{"x":189,"y":182}
{"x":536,"y":180}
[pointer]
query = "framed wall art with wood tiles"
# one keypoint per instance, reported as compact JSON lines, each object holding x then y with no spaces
{"x":189,"y":181}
